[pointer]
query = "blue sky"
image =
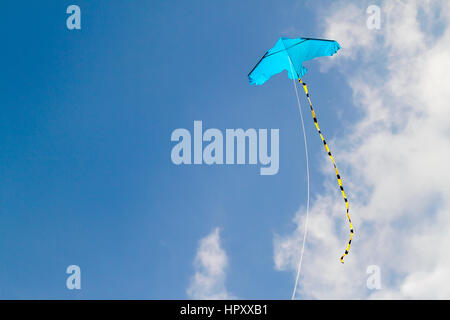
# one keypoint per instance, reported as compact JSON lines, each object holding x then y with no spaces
{"x":86,"y":175}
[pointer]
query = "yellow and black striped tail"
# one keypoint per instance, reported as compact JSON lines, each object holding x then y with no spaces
{"x":335,"y":168}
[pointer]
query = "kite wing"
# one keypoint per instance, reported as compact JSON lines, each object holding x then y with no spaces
{"x":291,"y":51}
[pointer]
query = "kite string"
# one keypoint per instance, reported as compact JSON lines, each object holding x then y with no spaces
{"x":299,"y":267}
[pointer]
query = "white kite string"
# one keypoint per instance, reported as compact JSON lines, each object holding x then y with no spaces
{"x":307,"y":177}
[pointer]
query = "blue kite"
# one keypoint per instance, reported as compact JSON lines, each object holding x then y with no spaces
{"x":290,"y":54}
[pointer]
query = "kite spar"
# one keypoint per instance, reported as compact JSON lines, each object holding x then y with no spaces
{"x":289,"y":54}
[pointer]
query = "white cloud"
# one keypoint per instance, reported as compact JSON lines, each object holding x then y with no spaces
{"x":210,"y":263}
{"x":394,"y":161}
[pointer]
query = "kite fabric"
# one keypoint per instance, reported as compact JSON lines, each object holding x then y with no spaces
{"x":287,"y":51}
{"x":289,"y":54}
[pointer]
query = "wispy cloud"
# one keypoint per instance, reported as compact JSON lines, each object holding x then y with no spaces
{"x":394,"y":161}
{"x":210,"y":263}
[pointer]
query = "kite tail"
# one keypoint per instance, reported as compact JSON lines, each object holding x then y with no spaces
{"x":335,"y":168}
